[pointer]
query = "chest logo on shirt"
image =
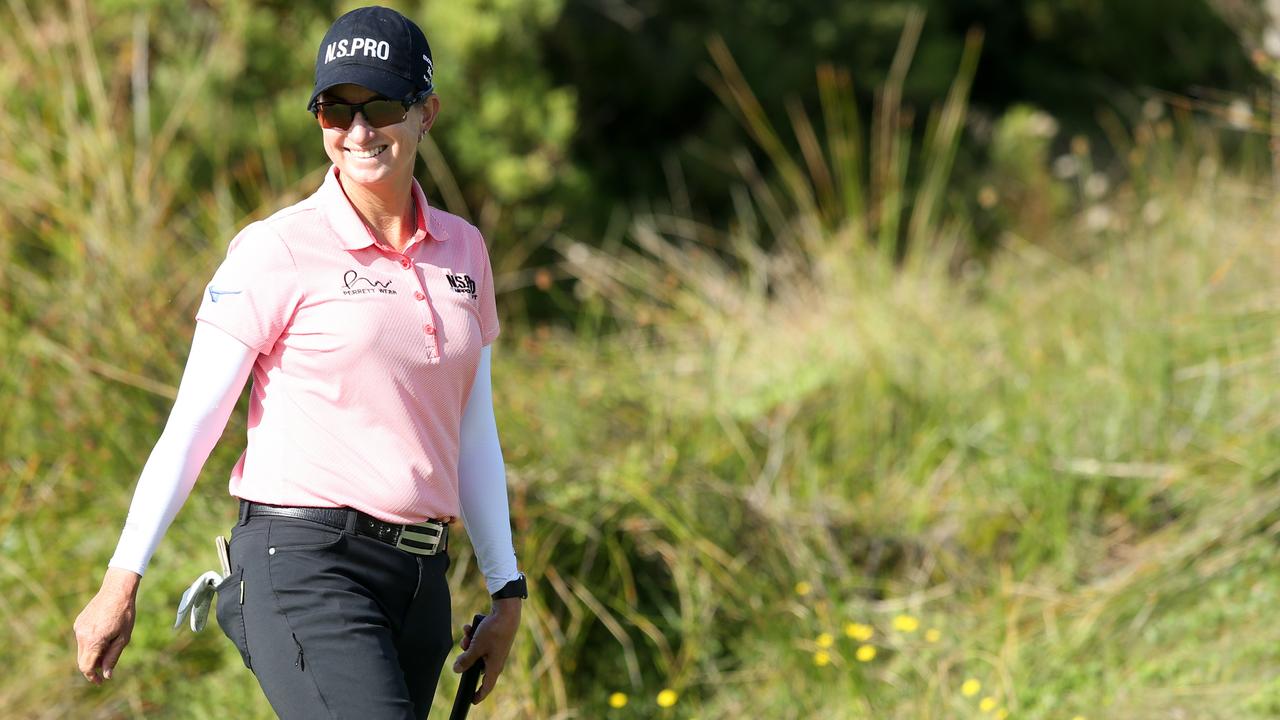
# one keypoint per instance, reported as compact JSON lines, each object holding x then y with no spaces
{"x":462,"y":283}
{"x":357,"y":285}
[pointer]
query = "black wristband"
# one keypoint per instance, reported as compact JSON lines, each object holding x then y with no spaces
{"x":515,"y":588}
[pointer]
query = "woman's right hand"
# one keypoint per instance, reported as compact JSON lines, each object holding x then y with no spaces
{"x":104,"y":626}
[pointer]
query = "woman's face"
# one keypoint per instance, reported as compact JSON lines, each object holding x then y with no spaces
{"x":370,"y":155}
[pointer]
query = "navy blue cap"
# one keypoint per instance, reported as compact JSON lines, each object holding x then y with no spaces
{"x":376,"y":48}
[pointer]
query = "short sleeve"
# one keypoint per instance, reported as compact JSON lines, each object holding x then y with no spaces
{"x":488,"y":303}
{"x":254,"y":293}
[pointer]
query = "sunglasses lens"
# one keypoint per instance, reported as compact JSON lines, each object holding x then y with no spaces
{"x":378,"y":113}
{"x":335,"y":115}
{"x":381,"y":113}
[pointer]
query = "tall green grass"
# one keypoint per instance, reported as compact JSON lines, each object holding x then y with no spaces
{"x":1060,"y":460}
{"x":1063,"y":460}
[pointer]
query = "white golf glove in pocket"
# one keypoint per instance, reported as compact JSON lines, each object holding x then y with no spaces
{"x":197,"y":599}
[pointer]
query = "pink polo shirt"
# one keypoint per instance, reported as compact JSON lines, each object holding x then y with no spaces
{"x":367,"y":355}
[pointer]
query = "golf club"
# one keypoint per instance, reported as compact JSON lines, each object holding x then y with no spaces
{"x":470,"y":679}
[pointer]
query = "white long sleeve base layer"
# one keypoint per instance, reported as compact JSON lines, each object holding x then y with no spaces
{"x":216,"y":371}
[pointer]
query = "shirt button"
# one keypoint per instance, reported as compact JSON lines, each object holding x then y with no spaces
{"x":404,"y":263}
{"x":429,"y":329}
{"x":417,"y":295}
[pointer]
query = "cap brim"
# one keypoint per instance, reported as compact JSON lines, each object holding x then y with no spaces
{"x":378,"y":80}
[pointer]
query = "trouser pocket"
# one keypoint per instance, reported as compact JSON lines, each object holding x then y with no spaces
{"x":230,"y":612}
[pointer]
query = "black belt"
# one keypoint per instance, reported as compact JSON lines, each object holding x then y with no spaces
{"x":425,"y":538}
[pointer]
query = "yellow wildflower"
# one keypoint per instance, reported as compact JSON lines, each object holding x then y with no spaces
{"x":859,"y":632}
{"x":803,"y":588}
{"x":932,"y":635}
{"x":1001,"y":714}
{"x":825,"y":640}
{"x":617,"y":700}
{"x":988,"y":197}
{"x":866,"y":653}
{"x":988,"y":704}
{"x":905,"y":623}
{"x":970,"y":687}
{"x":822,"y":658}
{"x":1078,"y":717}
{"x":667,"y":697}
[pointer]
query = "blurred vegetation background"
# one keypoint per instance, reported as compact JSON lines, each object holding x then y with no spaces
{"x":860,"y":360}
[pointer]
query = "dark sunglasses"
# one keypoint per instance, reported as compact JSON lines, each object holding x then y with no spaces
{"x":378,"y":112}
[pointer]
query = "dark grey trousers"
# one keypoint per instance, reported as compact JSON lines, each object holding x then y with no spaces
{"x":334,"y":624}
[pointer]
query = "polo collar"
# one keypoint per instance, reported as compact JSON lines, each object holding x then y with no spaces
{"x":352,"y":233}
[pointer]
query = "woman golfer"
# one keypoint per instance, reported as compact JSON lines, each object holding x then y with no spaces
{"x":365,"y":317}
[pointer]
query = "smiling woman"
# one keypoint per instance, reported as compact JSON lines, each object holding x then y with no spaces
{"x":373,"y":141}
{"x":365,"y":317}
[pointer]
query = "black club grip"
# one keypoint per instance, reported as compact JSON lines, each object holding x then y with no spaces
{"x":470,"y":680}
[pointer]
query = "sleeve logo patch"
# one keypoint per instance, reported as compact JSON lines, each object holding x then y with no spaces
{"x":215,"y":294}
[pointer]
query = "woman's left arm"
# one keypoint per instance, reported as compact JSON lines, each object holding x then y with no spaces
{"x":482,"y":483}
{"x":482,"y":489}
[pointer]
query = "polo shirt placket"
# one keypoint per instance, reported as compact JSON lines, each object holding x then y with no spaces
{"x":349,"y":219}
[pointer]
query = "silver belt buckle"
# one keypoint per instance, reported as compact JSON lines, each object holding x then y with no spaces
{"x":423,"y":538}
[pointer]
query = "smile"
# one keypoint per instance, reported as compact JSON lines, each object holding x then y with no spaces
{"x":367,"y":153}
